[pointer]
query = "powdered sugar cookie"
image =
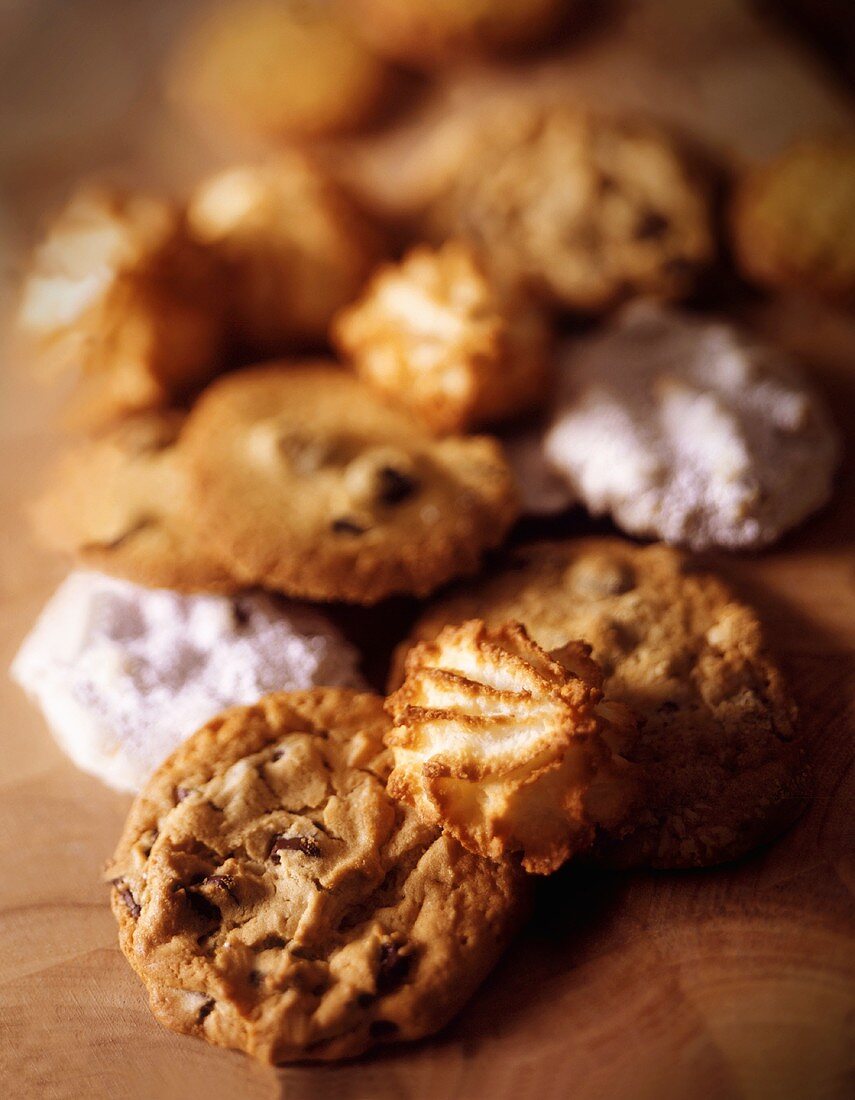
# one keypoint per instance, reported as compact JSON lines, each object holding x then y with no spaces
{"x":690,"y":431}
{"x":123,"y":674}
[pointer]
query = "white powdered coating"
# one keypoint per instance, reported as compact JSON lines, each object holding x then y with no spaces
{"x":123,"y":674}
{"x":543,"y":491}
{"x":690,"y":431}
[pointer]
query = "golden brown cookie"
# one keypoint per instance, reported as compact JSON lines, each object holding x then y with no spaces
{"x":431,"y":32}
{"x":587,"y":211}
{"x":793,"y":220}
{"x":718,"y":739}
{"x":508,"y":748}
{"x":120,"y":293}
{"x":278,"y":68}
{"x":274,"y":898}
{"x":306,"y":481}
{"x":119,"y":503}
{"x":438,"y":333}
{"x":294,"y":249}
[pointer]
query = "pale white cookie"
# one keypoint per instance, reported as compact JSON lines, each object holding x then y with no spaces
{"x":123,"y":673}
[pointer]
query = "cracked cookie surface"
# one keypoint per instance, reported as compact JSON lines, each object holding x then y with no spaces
{"x":717,"y":742}
{"x":274,"y":898}
{"x":307,"y":481}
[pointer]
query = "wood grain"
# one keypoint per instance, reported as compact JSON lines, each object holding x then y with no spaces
{"x":739,"y":982}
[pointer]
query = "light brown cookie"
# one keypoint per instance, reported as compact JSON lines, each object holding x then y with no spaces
{"x":294,"y":248}
{"x":431,"y":32}
{"x":119,"y":503}
{"x":717,"y":741}
{"x":306,"y":481}
{"x":511,"y":749}
{"x":274,"y":898}
{"x":587,"y":211}
{"x":438,"y":333}
{"x":119,"y":293}
{"x":793,"y":220}
{"x":277,"y":68}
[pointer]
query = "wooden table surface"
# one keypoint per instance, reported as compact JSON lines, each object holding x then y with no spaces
{"x":737,"y":982}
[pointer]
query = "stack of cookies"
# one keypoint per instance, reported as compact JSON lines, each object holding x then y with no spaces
{"x":277,"y":407}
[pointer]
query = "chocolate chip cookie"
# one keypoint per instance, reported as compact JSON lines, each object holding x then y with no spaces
{"x":119,"y":503}
{"x":274,"y":898}
{"x":718,"y":738}
{"x":305,"y":480}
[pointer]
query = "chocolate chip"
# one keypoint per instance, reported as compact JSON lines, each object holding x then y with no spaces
{"x":382,"y":1029}
{"x":206,"y":1009}
{"x":363,"y":1000}
{"x":224,"y":882}
{"x":240,"y":612}
{"x":270,"y":943}
{"x":392,"y":967}
{"x":181,"y":793}
{"x":393,"y":486}
{"x":345,"y":526}
{"x":651,"y":226}
{"x":303,"y":844}
{"x":128,"y":900}
{"x":200,"y":906}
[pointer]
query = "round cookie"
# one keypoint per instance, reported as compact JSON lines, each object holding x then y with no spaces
{"x":718,"y":738}
{"x":690,"y":430}
{"x":793,"y":220}
{"x":306,"y":481}
{"x":274,"y":898}
{"x":119,"y":503}
{"x":586,"y":211}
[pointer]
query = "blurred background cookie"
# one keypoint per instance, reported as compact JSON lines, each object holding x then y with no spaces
{"x":438,"y":333}
{"x":793,"y":220}
{"x":718,"y":741}
{"x":306,"y":480}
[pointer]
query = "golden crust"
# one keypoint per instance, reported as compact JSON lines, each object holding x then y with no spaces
{"x":294,"y":248}
{"x":436,"y":332}
{"x":509,"y":749}
{"x":793,"y":220}
{"x":278,"y":68}
{"x":119,"y":291}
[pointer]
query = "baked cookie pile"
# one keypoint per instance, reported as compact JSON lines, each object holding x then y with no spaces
{"x":276,"y":397}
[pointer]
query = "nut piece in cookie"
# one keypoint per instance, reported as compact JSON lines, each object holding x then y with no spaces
{"x":277,"y":68}
{"x":718,"y":742}
{"x":307,"y":481}
{"x":119,"y":503}
{"x":294,"y":248}
{"x":437,"y":332}
{"x":793,"y":220}
{"x":428,"y":33}
{"x":510,"y":749}
{"x":274,"y":898}
{"x":585,"y":210}
{"x":690,"y":431}
{"x":119,"y":291}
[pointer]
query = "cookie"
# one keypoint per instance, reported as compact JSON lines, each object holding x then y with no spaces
{"x":586,"y":211}
{"x":793,"y":220}
{"x":274,"y":898}
{"x":277,"y":68}
{"x":690,"y":431}
{"x":718,"y":743}
{"x":118,"y":503}
{"x":294,"y":248}
{"x":123,"y":674}
{"x":119,"y":294}
{"x":306,"y":481}
{"x":436,"y":332}
{"x":427,"y":33}
{"x":508,"y":748}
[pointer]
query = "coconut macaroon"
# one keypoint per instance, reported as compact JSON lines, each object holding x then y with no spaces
{"x":428,"y":33}
{"x":295,"y":248}
{"x":439,"y":333}
{"x":511,"y":749}
{"x":793,"y":220}
{"x":588,"y":211}
{"x":277,"y":68}
{"x":119,"y":291}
